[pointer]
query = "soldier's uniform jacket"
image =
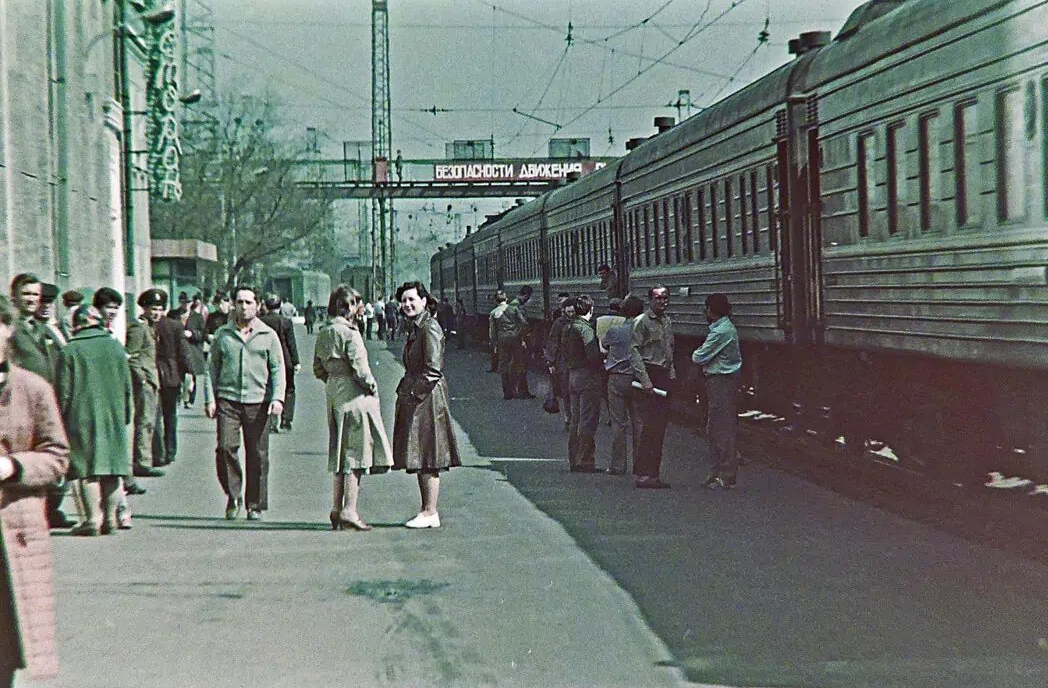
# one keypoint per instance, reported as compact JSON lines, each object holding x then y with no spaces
{"x":510,"y":324}
{"x":581,"y":349}
{"x":141,"y":353}
{"x":35,"y":349}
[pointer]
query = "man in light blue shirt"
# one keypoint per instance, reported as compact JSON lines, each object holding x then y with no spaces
{"x":721,"y":362}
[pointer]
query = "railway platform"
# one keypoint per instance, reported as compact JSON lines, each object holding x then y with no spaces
{"x":538,"y":577}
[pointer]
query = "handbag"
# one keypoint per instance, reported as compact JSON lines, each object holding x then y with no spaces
{"x":551,"y":404}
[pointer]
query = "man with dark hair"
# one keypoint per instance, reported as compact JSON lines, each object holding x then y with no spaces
{"x":140,"y":345}
{"x":653,"y":340}
{"x":172,"y":363}
{"x":193,"y":329}
{"x":46,"y":313}
{"x":509,"y":327}
{"x":609,"y":281}
{"x":285,"y":330}
{"x":554,"y":354}
{"x":34,"y":347}
{"x":721,"y":361}
{"x":70,"y":300}
{"x":583,"y":359}
{"x":245,"y":386}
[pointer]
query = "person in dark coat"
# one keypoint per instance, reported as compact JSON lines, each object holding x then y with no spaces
{"x":140,"y":344}
{"x":310,"y":316}
{"x":423,"y":439}
{"x":285,"y":330}
{"x":35,"y":454}
{"x":219,"y":315}
{"x":193,"y":328}
{"x":95,"y":398}
{"x":392,"y":319}
{"x":172,"y":363}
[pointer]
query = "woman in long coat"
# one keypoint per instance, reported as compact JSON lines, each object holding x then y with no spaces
{"x":357,"y":441}
{"x":423,"y":439}
{"x":95,"y":398}
{"x":34,"y":453}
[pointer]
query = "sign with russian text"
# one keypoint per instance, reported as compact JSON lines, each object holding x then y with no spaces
{"x":165,"y":147}
{"x":512,"y":171}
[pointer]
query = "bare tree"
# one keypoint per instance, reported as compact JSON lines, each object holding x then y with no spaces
{"x":240,"y":188}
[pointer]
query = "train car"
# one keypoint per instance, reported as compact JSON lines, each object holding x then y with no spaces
{"x":488,"y":270}
{"x":932,"y":315}
{"x":699,"y":210}
{"x":435,"y":274}
{"x":521,"y":234}
{"x":580,"y":235}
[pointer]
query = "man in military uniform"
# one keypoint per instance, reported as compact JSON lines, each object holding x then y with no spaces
{"x":507,"y":328}
{"x":585,"y":361}
{"x":172,"y":363}
{"x":34,"y":347}
{"x":145,"y":383}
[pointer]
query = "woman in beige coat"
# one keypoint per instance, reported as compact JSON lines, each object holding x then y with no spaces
{"x":34,"y":453}
{"x":357,"y":441}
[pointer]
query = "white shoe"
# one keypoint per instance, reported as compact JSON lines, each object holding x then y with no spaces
{"x":423,"y":521}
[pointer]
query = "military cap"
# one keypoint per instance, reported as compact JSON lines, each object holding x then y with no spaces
{"x":153,"y":297}
{"x":72,"y":298}
{"x":48,"y":293}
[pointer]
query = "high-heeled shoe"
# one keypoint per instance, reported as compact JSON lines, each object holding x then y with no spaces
{"x":339,"y":522}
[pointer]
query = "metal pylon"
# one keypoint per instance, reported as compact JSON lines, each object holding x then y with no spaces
{"x":382,"y":142}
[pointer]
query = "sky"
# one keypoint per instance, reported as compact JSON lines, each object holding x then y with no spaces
{"x":476,"y":61}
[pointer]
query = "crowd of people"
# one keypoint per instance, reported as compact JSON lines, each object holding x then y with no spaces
{"x":88,"y":410}
{"x":625,"y":360}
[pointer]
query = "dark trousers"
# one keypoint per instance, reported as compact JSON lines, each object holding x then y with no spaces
{"x":460,"y":336}
{"x":288,"y":415}
{"x":370,"y":322}
{"x":654,"y":414}
{"x":145,"y":397}
{"x":309,"y":327}
{"x":165,"y":435}
{"x":721,"y":424}
{"x":585,"y":417}
{"x":253,"y":421}
{"x":494,"y":357}
{"x":514,"y":369}
{"x":381,"y":328}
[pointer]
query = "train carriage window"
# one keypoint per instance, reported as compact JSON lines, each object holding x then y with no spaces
{"x":744,"y":225}
{"x":864,"y":145}
{"x":656,"y":252}
{"x":729,"y":247}
{"x":700,"y":205}
{"x":629,"y":238}
{"x":638,"y":246}
{"x":1044,"y":143}
{"x":893,"y":160}
{"x":755,"y":213}
{"x":1011,"y":163}
{"x":666,"y":238}
{"x":645,"y":230}
{"x":966,"y":164}
{"x":689,"y":248}
{"x":714,"y":229}
{"x":773,"y":210}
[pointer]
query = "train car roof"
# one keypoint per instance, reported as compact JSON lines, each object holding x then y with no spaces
{"x":604,"y":177}
{"x":757,"y":97}
{"x":882,"y":27}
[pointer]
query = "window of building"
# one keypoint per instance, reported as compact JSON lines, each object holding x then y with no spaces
{"x":1011,"y":167}
{"x":966,"y":164}
{"x":773,"y":210}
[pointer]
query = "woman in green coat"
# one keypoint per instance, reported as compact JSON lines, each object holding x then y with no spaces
{"x":94,"y":396}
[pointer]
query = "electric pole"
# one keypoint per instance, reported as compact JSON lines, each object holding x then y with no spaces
{"x":381,"y":143}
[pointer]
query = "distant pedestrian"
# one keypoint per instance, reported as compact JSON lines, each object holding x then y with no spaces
{"x":446,"y":316}
{"x":70,"y":300}
{"x":35,"y":454}
{"x":623,"y":366}
{"x":97,"y":420}
{"x":585,"y":363}
{"x":140,"y":344}
{"x":461,"y":323}
{"x":357,"y":441}
{"x":172,"y":364}
{"x":287,"y":308}
{"x":310,"y":316}
{"x":285,"y":329}
{"x":501,"y":304}
{"x":653,"y":340}
{"x":380,"y":318}
{"x":244,"y":388}
{"x":392,"y":319}
{"x":721,"y":361}
{"x":556,"y":361}
{"x":193,"y":330}
{"x":509,"y":328}
{"x":369,"y":318}
{"x":219,"y":315}
{"x":424,"y":441}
